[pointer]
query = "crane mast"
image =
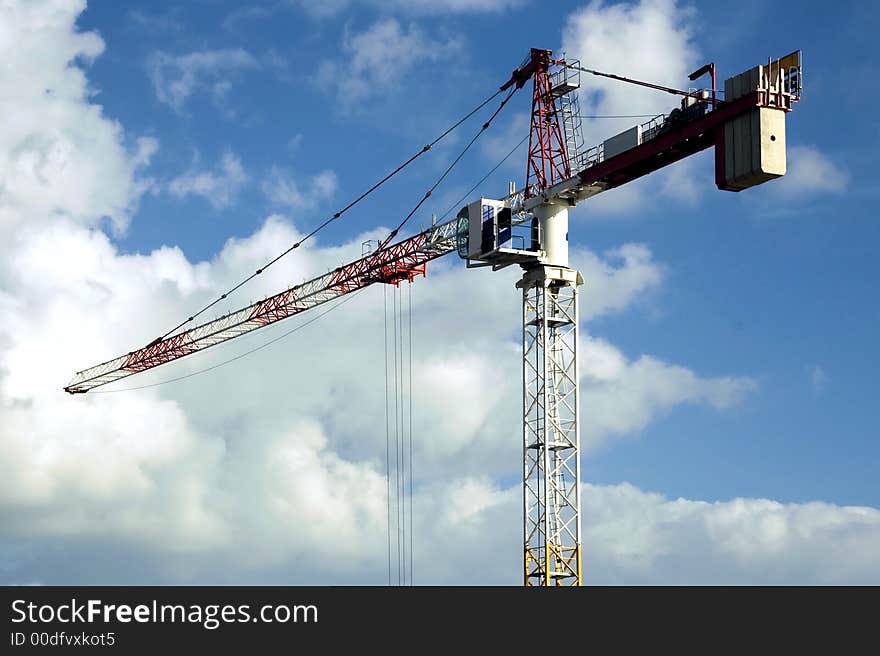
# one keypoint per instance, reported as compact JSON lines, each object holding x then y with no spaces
{"x":529,"y":228}
{"x":748,"y":130}
{"x":551,"y":425}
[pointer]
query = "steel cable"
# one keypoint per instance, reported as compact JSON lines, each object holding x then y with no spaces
{"x":387,"y":427}
{"x":445,"y":173}
{"x":333,"y":217}
{"x":409,"y":393}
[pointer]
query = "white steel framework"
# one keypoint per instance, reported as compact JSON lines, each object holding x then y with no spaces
{"x":551,"y":432}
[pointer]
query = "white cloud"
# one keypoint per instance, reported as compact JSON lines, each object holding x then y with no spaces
{"x":161,"y":23}
{"x":626,"y":274}
{"x":625,"y":396}
{"x":647,"y":538}
{"x":378,"y":59}
{"x":330,"y":8}
{"x":456,"y":6}
{"x":651,"y":40}
{"x":166,"y":472}
{"x":687,"y":180}
{"x":271,"y":470}
{"x":220,"y":187}
{"x":648,"y":40}
{"x":632,"y":536}
{"x":818,"y":378}
{"x":176,"y":78}
{"x":294,"y":142}
{"x":282,"y":189}
{"x":59,"y":155}
{"x":811,"y":173}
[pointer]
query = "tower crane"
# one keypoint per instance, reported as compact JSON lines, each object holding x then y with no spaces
{"x":529,"y":228}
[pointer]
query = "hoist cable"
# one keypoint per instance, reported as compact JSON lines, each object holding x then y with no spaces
{"x":334,"y":216}
{"x":454,"y":206}
{"x":409,"y":343}
{"x":396,"y":432}
{"x":387,"y":427}
{"x":445,"y":173}
{"x":403,"y":536}
{"x":402,"y":435}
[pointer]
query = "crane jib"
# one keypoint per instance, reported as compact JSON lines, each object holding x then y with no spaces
{"x":403,"y":260}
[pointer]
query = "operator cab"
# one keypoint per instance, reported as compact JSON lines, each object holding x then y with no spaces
{"x":489,"y":234}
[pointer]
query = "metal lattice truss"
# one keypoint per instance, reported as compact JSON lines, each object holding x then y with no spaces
{"x":548,"y":160}
{"x":551,"y":436}
{"x":401,"y":260}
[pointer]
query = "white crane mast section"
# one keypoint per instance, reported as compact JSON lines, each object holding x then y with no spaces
{"x":551,"y":428}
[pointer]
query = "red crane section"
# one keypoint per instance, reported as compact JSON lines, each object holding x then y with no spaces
{"x":548,"y":161}
{"x":403,"y":260}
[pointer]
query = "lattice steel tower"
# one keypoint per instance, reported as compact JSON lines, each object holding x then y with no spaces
{"x":551,"y":429}
{"x":551,"y":435}
{"x":530,"y":229}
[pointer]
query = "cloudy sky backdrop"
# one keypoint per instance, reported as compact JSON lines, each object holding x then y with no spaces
{"x":152,"y":153}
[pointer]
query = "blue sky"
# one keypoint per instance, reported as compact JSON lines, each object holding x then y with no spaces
{"x":767,"y":297}
{"x":748,"y":292}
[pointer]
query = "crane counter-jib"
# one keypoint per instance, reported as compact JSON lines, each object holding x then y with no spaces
{"x":400,"y":260}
